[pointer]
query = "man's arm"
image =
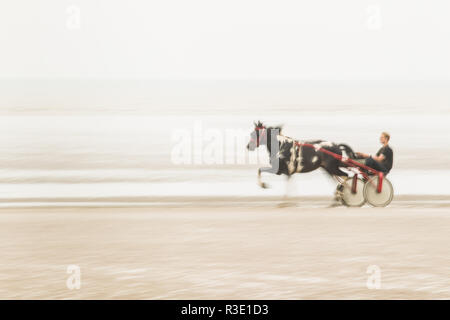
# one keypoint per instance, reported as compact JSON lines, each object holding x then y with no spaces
{"x":362,"y":155}
{"x":376,"y":158}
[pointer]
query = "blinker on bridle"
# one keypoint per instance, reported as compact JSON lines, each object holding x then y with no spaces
{"x":260,"y":135}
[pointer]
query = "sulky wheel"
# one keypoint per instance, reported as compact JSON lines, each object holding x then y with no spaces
{"x":349,"y":198}
{"x":375,"y":198}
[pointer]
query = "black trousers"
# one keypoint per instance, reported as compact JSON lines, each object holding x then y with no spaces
{"x":370,"y":162}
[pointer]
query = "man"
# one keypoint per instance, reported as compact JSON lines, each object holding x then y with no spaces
{"x":382,"y":161}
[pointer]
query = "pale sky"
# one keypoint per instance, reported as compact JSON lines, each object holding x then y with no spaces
{"x":320,"y":39}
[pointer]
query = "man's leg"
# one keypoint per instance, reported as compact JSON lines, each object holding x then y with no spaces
{"x":370,"y":162}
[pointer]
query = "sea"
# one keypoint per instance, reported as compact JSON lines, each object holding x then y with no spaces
{"x":97,"y":141}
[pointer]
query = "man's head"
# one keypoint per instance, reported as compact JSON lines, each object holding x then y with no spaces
{"x":384,"y":138}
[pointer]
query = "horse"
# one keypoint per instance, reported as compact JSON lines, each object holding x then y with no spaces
{"x":288,"y":156}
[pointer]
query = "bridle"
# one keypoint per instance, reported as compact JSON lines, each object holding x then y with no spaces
{"x":259,"y":135}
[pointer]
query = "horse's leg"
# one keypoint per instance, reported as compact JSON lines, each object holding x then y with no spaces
{"x":341,"y":173}
{"x":334,"y":173}
{"x":333,"y":169}
{"x":285,"y":200}
{"x":261,"y":170}
{"x":288,"y":179}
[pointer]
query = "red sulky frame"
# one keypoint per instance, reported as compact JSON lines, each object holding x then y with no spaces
{"x":352,"y":163}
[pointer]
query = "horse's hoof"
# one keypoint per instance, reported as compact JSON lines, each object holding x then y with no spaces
{"x":335,"y":204}
{"x":286,"y":204}
{"x":264,"y":185}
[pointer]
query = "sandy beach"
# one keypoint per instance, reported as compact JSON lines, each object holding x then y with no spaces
{"x":208,"y":252}
{"x":127,"y":168}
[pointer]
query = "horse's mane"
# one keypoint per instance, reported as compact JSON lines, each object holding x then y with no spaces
{"x":276,"y":129}
{"x":260,"y":124}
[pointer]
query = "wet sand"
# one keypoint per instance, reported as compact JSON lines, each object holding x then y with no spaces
{"x":225,"y":252}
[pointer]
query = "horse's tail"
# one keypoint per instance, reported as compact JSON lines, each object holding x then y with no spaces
{"x":347,"y":150}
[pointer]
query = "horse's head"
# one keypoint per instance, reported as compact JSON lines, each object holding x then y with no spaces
{"x":258,"y":136}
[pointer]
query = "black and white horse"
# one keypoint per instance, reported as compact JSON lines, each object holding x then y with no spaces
{"x":288,"y":158}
